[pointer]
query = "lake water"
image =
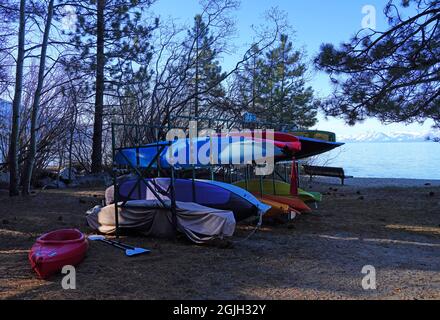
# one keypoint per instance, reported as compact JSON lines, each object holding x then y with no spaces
{"x":414,"y":160}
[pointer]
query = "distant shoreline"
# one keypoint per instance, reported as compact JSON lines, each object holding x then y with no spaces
{"x":430,"y":141}
{"x":374,"y":182}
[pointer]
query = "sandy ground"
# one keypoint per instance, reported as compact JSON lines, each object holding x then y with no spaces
{"x":318,"y":256}
{"x":365,"y":183}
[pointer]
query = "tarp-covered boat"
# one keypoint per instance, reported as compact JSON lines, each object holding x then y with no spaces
{"x":207,"y":193}
{"x":54,"y":250}
{"x":151,"y":218}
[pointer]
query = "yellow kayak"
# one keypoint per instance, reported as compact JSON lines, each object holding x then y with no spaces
{"x":280,"y":188}
{"x":277,"y":209}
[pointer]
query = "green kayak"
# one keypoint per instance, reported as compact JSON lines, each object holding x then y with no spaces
{"x":281,"y":189}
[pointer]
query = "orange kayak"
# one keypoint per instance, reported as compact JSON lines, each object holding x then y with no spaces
{"x":292,"y":201}
{"x":283,"y":204}
{"x":278,"y":209}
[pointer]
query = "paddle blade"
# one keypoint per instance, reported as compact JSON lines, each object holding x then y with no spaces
{"x":95,"y":238}
{"x":136,"y":252}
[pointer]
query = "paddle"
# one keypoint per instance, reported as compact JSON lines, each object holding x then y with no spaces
{"x":130,"y":251}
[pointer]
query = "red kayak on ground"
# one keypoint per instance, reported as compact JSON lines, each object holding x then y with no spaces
{"x":57,"y":249}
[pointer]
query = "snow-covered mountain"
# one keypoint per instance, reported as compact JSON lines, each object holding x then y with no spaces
{"x":372,"y":136}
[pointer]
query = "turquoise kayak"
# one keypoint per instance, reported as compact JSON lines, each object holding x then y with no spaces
{"x":203,"y":152}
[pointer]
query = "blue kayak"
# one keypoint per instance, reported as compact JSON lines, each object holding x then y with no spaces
{"x":207,"y":193}
{"x":313,"y":147}
{"x":203,"y":152}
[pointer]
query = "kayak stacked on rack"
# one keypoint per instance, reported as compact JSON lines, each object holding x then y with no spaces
{"x":278,"y":188}
{"x":207,"y":193}
{"x":202,"y":210}
{"x":234,"y":148}
{"x":308,"y":147}
{"x":208,"y":151}
{"x":278,"y":192}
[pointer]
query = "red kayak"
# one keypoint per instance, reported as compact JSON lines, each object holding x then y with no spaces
{"x":292,"y":201}
{"x":279,"y":139}
{"x":57,"y":249}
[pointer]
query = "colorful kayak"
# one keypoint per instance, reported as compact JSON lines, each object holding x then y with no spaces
{"x":309,"y":147}
{"x":309,"y":196}
{"x":281,"y":189}
{"x":207,"y":193}
{"x":316,"y":134}
{"x":313,"y":147}
{"x":292,"y":201}
{"x":277,"y":208}
{"x":57,"y":249}
{"x":281,"y":140}
{"x":203,"y":152}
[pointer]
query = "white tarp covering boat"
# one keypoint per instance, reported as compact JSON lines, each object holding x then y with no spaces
{"x":151,"y":218}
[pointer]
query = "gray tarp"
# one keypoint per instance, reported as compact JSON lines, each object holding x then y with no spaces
{"x":200,"y":224}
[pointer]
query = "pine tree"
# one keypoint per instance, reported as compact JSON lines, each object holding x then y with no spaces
{"x":205,"y":72}
{"x":249,"y":82}
{"x":16,"y":105}
{"x":115,"y":51}
{"x":393,"y":74}
{"x":31,"y":154}
{"x":283,"y":93}
{"x":293,"y":102}
{"x":8,"y":15}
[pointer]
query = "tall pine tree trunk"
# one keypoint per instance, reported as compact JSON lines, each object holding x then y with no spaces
{"x":197,"y":75}
{"x":196,"y":101}
{"x":99,"y":96}
{"x":16,"y":106}
{"x":254,"y":89}
{"x":30,"y":160}
{"x":73,"y":123}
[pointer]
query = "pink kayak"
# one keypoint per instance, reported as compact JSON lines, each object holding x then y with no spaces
{"x":57,"y":249}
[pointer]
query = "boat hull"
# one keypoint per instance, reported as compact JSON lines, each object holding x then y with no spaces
{"x":54,"y":250}
{"x":281,"y":189}
{"x":207,"y":193}
{"x":313,"y":147}
{"x":293,"y":202}
{"x":316,"y":134}
{"x":204,"y":152}
{"x":301,"y":147}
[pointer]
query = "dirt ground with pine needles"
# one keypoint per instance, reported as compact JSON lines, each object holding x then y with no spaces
{"x":317,"y":256}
